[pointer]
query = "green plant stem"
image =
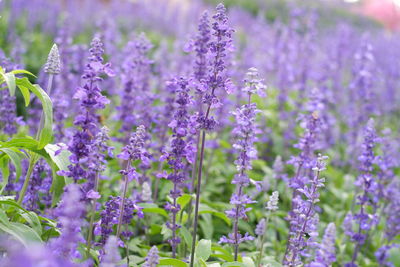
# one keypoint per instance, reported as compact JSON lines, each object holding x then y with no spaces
{"x":34,"y":158}
{"x":122,"y":204}
{"x":262,"y":241}
{"x":91,"y":224}
{"x":196,"y":208}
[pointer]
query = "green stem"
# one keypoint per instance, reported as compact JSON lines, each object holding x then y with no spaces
{"x":262,"y":240}
{"x":122,"y":204}
{"x":94,"y":202}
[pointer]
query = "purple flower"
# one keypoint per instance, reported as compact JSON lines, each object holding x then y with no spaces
{"x":180,"y":153}
{"x":136,"y":97}
{"x":111,"y":255}
{"x":216,"y":78}
{"x":70,"y":213}
{"x":245,"y":133}
{"x":152,"y":259}
{"x":366,"y":217}
{"x":303,"y":217}
{"x":326,"y":254}
{"x":90,"y":100}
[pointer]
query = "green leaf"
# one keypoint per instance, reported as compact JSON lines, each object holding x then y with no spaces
{"x":15,"y":159}
{"x":248,"y":262}
{"x":187,"y":237}
{"x":23,"y":72}
{"x":203,"y":249}
{"x":61,"y":162}
{"x":172,"y":262}
{"x":62,"y":159}
{"x":19,"y":231}
{"x":5,"y":171}
{"x":234,"y":263}
{"x":33,"y":221}
{"x":153,"y":208}
{"x":9,"y":78}
{"x":25,"y":94}
{"x":206,"y":209}
{"x":184,"y":200}
{"x":47,"y":131}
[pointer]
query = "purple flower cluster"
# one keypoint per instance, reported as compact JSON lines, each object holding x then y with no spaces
{"x":70,"y":213}
{"x":90,"y":100}
{"x":152,"y":259}
{"x":180,"y":154}
{"x":326,"y":252}
{"x":368,"y":198}
{"x":110,"y":215}
{"x":136,"y":97}
{"x":303,"y":217}
{"x":246,"y":131}
{"x":216,"y":77}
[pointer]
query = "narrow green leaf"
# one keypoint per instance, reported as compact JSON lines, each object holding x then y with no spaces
{"x":25,"y":94}
{"x":234,"y":263}
{"x":172,"y":262}
{"x":5,"y":173}
{"x":23,"y":72}
{"x":152,"y":208}
{"x":15,"y":159}
{"x":9,"y":78}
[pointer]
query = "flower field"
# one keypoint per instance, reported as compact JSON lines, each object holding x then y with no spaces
{"x":197,"y":134}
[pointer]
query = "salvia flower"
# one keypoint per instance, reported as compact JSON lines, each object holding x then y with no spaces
{"x":90,"y":100}
{"x":369,"y":196}
{"x":53,"y":64}
{"x":136,"y":97}
{"x":326,"y":252}
{"x":111,"y":257}
{"x":245,"y":132}
{"x":179,"y":154}
{"x":216,"y":78}
{"x":152,"y":259}
{"x":303,"y":217}
{"x":70,"y":213}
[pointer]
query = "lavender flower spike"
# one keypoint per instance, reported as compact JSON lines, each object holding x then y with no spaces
{"x":303,"y":218}
{"x":152,"y":259}
{"x":70,"y":214}
{"x":179,"y":156}
{"x":111,"y":258}
{"x":326,"y":254}
{"x":245,"y":133}
{"x":133,"y":151}
{"x":215,"y":80}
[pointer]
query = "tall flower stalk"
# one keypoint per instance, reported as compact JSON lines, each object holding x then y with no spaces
{"x":272,"y":205}
{"x":90,"y":101}
{"x":367,"y":201}
{"x":131,"y":152}
{"x":245,"y":132}
{"x":303,"y":218}
{"x":52,"y":67}
{"x":98,"y":165}
{"x":215,"y":80}
{"x":180,"y":153}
